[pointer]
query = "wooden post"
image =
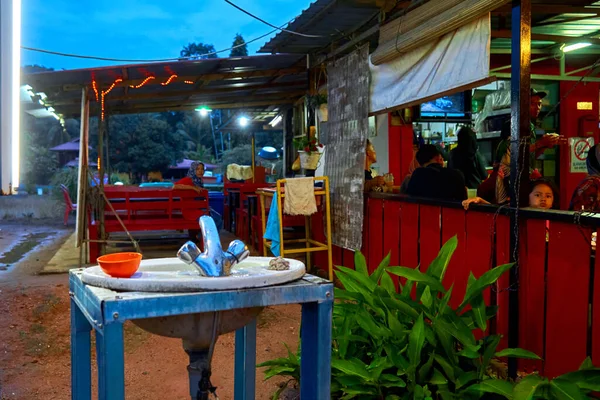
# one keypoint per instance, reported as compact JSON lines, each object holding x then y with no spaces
{"x":107,"y":140}
{"x":101,"y":131}
{"x":82,"y":179}
{"x":253,"y":160}
{"x":519,"y":164}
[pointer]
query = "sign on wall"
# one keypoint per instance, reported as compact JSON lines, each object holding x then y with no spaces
{"x":579,"y":148}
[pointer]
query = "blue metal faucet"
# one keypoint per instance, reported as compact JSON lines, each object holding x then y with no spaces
{"x":213,"y":262}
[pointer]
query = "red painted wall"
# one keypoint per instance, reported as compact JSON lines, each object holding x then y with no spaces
{"x":570,"y":127}
{"x":400,"y":139}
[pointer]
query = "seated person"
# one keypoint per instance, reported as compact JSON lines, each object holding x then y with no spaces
{"x":543,"y":195}
{"x":193,"y":180}
{"x":372,"y":183}
{"x":467,"y":159}
{"x":587,"y":194}
{"x":433,"y":180}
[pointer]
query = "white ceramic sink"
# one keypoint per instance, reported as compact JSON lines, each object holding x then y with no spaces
{"x":173,"y":275}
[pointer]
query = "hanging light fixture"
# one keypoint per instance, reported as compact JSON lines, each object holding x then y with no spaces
{"x":243,"y":121}
{"x":574,"y":46}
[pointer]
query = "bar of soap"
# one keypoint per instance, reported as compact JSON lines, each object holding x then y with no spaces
{"x":279,"y":264}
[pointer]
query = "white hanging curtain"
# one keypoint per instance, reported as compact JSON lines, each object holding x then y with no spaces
{"x":455,"y":62}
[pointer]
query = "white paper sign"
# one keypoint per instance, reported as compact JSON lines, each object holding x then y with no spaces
{"x":579,"y":148}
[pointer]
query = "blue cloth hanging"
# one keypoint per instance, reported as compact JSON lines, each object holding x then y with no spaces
{"x":272,"y":230}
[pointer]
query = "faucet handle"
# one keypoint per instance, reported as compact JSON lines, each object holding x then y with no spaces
{"x":238,"y":250}
{"x":188,"y":252}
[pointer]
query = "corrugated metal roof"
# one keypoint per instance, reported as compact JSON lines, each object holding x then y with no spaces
{"x":334,"y":20}
{"x":254,"y":82}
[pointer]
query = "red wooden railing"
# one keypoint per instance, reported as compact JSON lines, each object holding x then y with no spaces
{"x":559,"y":293}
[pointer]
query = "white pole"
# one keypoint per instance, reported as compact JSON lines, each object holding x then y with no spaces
{"x":10,"y":82}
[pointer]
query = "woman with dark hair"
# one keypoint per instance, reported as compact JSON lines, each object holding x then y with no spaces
{"x":467,"y":159}
{"x":542,"y":195}
{"x":587,"y":195}
{"x":193,"y":180}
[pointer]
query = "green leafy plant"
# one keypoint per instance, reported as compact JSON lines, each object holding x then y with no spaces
{"x":411,"y":344}
{"x":307,"y":144}
{"x":314,"y":101}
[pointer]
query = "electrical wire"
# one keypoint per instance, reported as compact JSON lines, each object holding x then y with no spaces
{"x":56,"y":53}
{"x":271,"y":25}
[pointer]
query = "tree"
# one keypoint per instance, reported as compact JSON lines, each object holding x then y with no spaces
{"x":240,"y":51}
{"x":143,"y":143}
{"x":31,"y":69}
{"x":197,"y":51}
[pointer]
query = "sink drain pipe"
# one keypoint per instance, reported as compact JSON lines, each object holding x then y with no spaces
{"x":199,"y":369}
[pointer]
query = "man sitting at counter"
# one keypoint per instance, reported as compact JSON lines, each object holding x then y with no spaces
{"x":433,"y":180}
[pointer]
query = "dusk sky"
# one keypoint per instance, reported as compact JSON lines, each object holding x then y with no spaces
{"x":142,"y":29}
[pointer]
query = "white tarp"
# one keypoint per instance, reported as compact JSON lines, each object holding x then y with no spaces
{"x":458,"y":59}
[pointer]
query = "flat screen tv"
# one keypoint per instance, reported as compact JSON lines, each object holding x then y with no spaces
{"x":453,"y":106}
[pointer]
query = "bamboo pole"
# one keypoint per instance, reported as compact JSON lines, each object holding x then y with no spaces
{"x":437,"y":26}
{"x":412,"y":19}
{"x":80,"y":225}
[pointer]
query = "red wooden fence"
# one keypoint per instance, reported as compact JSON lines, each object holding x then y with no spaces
{"x":559,"y":307}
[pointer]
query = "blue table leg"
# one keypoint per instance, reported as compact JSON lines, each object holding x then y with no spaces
{"x":245,"y":362}
{"x":315,"y":363}
{"x":81,"y":371}
{"x":111,"y":362}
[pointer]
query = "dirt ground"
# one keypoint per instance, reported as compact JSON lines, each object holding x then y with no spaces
{"x":34,"y":331}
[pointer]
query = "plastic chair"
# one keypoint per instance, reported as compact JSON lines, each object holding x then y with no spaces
{"x":69,"y":206}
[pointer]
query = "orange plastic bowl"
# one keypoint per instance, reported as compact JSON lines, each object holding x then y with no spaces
{"x":120,"y":265}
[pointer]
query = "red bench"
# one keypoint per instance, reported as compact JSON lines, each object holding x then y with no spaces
{"x":149,"y":209}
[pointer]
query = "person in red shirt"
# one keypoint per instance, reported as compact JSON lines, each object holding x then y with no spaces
{"x":193,"y":180}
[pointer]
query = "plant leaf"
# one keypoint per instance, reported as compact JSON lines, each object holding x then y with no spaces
{"x":366,"y":321}
{"x":565,"y":390}
{"x":350,"y":285}
{"x":417,"y":276}
{"x":526,"y":388}
{"x":359,"y":278}
{"x":466,"y":378}
{"x":426,"y":298}
{"x":497,"y":386}
{"x":437,"y":268}
{"x":443,"y":305}
{"x":280,"y":371}
{"x":407,"y":289}
{"x":352,"y":367}
{"x":401,"y":306}
{"x":587,"y":364}
{"x":360,"y":263}
{"x":387,"y":283}
{"x":376,"y":275}
{"x":477,"y":306}
{"x":518,"y":353}
{"x":280,"y":390}
{"x":395,"y":326}
{"x":389,"y":378}
{"x":416,"y":340}
{"x":588,"y":379}
{"x":487,"y":279}
{"x":437,"y":378}
{"x":469,"y":353}
{"x":448,"y":369}
{"x":425,"y":369}
{"x":490,"y":345}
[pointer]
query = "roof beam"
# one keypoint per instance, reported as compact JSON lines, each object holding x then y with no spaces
{"x":206,"y":77}
{"x":189,"y":93}
{"x":505,"y":34}
{"x":186,"y":107}
{"x":552,"y":9}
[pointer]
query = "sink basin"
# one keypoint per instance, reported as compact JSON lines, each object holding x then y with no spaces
{"x":173,"y":275}
{"x":198,"y":331}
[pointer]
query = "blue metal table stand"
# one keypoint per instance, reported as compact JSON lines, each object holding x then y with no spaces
{"x":105,"y":311}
